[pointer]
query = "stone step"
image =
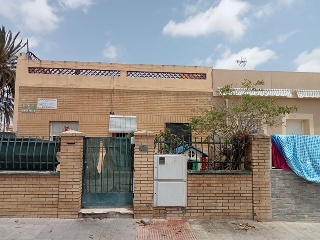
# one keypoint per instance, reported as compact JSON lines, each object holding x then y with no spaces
{"x":109,"y":212}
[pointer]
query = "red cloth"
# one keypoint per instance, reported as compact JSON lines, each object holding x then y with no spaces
{"x":277,"y":159}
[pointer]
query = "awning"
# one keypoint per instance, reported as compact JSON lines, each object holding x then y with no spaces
{"x":308,"y":93}
{"x":122,"y":124}
{"x":261,"y":92}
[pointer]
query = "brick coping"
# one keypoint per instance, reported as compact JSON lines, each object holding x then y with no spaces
{"x":229,"y":172}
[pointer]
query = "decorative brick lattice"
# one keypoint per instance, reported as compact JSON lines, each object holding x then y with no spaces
{"x":170,"y":75}
{"x":72,"y":71}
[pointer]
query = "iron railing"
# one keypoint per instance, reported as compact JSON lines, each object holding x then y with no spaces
{"x":208,"y":155}
{"x":27,"y":154}
{"x":32,"y":56}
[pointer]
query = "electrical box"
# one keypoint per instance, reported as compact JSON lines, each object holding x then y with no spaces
{"x":170,"y":180}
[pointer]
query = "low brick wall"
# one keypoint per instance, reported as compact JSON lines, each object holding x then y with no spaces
{"x":219,"y":196}
{"x":293,"y":198}
{"x":237,"y":194}
{"x":29,"y":195}
{"x":46,"y":194}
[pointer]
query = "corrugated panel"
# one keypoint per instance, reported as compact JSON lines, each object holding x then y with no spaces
{"x":262,"y":92}
{"x":122,"y":124}
{"x":308,"y":93}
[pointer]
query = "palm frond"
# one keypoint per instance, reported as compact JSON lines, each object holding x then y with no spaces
{"x":9,"y":48}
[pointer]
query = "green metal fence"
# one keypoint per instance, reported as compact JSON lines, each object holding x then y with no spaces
{"x":7,"y":134}
{"x":206,"y":155}
{"x":108,"y":172}
{"x":27,"y":154}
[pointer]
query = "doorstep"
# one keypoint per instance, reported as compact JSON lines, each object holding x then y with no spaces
{"x":107,"y":212}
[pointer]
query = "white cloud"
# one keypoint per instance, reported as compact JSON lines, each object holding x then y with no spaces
{"x":283,"y":37}
{"x":73,"y":4}
{"x":36,"y":15}
{"x":253,"y":56}
{"x":287,"y":2}
{"x":7,"y":9}
{"x":265,"y":10}
{"x":198,"y":6}
{"x":33,"y":42}
{"x":226,"y":18}
{"x":308,"y":62}
{"x":209,"y":61}
{"x":110,"y":51}
{"x":272,"y":6}
{"x":39,"y":16}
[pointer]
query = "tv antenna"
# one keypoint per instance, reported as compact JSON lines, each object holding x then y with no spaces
{"x":242,"y":62}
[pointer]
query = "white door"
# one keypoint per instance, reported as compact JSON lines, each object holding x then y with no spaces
{"x":294,"y":127}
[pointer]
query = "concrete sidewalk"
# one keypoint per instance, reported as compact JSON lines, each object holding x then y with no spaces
{"x":67,"y":229}
{"x":251,"y":230}
{"x":129,"y":229}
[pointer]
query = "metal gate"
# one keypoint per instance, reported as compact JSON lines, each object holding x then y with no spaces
{"x":108,"y":172}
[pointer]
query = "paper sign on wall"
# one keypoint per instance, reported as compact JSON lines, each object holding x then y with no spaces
{"x":47,"y":103}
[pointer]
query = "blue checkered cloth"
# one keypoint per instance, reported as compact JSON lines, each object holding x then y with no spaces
{"x":302,"y":154}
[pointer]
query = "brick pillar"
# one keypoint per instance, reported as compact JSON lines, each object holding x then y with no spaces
{"x":143,"y":174}
{"x":70,"y":184}
{"x":259,"y":150}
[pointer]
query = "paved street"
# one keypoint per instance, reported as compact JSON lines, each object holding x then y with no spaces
{"x":119,"y":228}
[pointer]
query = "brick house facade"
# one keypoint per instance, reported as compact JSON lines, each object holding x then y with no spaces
{"x":86,"y":94}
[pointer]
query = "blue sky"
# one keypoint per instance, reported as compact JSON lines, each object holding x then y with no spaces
{"x":276,"y":35}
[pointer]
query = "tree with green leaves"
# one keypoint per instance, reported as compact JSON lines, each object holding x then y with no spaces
{"x":9,"y":48}
{"x":166,"y":142}
{"x":244,"y":111}
{"x":240,"y":115}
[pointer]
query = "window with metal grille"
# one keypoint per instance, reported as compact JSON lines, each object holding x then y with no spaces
{"x":120,"y":134}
